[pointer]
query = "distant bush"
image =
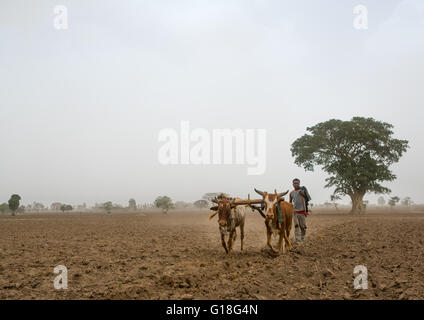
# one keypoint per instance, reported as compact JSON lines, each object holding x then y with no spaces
{"x":164,"y":203}
{"x":66,"y":207}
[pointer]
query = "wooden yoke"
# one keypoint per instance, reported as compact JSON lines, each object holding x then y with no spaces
{"x":238,"y":202}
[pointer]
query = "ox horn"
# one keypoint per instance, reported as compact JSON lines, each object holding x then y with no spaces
{"x":213,"y":215}
{"x":215,"y":200}
{"x":282,"y":194}
{"x":259,"y":192}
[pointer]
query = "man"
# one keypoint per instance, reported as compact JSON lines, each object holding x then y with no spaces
{"x":299,"y":197}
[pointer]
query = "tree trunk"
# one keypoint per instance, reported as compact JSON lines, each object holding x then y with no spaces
{"x":357,"y":203}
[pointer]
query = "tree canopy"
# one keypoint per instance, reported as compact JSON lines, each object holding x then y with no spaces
{"x":4,"y":207}
{"x":66,"y":207}
{"x":132,"y":205}
{"x":14,"y":203}
{"x":108,"y":206}
{"x":201,"y":204}
{"x":393,"y":201}
{"x":356,"y":154}
{"x":407,"y":201}
{"x":210,"y":195}
{"x":164,"y":203}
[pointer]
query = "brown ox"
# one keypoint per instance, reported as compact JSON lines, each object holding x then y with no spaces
{"x":271,"y":201}
{"x":230,"y":216}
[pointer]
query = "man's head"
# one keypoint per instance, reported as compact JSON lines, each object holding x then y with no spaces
{"x":296,"y":184}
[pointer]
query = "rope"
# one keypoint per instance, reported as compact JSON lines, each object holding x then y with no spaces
{"x":280,"y":219}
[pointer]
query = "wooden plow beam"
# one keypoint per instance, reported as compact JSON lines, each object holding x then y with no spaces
{"x":239,"y":202}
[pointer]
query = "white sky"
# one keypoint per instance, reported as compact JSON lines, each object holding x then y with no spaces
{"x":81,"y":108}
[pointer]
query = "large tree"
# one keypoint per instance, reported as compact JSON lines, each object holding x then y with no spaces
{"x":356,"y":154}
{"x":14,"y":203}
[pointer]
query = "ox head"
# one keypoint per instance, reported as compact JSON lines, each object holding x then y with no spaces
{"x":224,"y":212}
{"x":270,"y":201}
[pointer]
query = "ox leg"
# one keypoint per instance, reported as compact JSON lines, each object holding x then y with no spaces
{"x":280,"y":241}
{"x":288,"y":228}
{"x":241,"y":236}
{"x":268,"y":238}
{"x":230,"y":242}
{"x":223,"y":243}
{"x":287,"y":239}
{"x":234,"y":240}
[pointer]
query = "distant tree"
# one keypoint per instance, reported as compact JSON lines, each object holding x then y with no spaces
{"x":36,"y":206}
{"x":66,"y":207}
{"x":164,"y":203}
{"x":393,"y":201}
{"x":4,"y":207}
{"x":327,"y":204}
{"x":132,"y":205}
{"x":182,"y":205}
{"x":55,"y":206}
{"x":334,"y":198}
{"x":108,"y":206}
{"x":209,"y":196}
{"x":407,"y":201}
{"x":145,"y":206}
{"x":366,"y":202}
{"x":117,"y":206}
{"x":82,"y":207}
{"x":356,"y":154}
{"x":381,"y":201}
{"x":14,"y":203}
{"x":201,"y":204}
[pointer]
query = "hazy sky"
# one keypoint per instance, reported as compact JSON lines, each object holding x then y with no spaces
{"x":81,"y":109}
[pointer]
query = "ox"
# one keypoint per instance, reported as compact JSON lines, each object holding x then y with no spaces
{"x":273,"y":202}
{"x":230,"y":217}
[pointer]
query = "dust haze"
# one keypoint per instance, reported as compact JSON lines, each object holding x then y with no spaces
{"x":82,"y":108}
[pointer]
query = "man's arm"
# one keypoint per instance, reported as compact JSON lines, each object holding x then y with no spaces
{"x":291,"y":198}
